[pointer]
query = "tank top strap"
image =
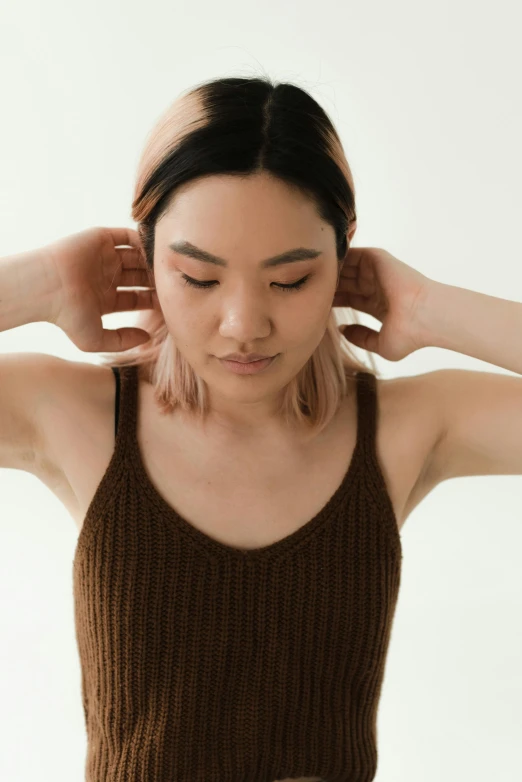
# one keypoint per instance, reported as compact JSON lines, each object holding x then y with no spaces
{"x":116,"y":373}
{"x":367,"y":411}
{"x":126,"y":403}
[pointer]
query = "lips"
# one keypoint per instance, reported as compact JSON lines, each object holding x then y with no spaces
{"x":250,"y":361}
{"x":248,"y":367}
{"x":242,"y":360}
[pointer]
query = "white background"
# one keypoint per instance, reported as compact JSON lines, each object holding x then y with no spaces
{"x":426,"y":98}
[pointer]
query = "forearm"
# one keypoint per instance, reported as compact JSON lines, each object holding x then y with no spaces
{"x":478,"y":325}
{"x":27,"y":289}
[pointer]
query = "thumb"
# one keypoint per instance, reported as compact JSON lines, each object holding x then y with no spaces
{"x":361,"y":336}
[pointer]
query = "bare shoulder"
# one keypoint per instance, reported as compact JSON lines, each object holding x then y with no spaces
{"x":72,"y":418}
{"x":77,"y":386}
{"x":410,"y":427}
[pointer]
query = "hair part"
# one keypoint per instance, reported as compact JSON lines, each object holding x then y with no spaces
{"x":241,"y":126}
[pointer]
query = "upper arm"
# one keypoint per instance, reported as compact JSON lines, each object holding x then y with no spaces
{"x":480,"y":424}
{"x":26,"y":380}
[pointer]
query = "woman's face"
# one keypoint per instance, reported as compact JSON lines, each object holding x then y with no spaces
{"x":243,"y":307}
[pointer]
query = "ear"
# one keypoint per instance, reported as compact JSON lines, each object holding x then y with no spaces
{"x":349,"y":236}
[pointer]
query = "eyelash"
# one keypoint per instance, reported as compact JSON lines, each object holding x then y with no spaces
{"x":294,"y":286}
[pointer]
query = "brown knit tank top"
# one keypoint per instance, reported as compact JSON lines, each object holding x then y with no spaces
{"x":205,"y":663}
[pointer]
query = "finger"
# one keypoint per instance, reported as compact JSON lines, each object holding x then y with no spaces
{"x":347,"y":285}
{"x":131,"y":257}
{"x":341,"y":300}
{"x":125,"y":236}
{"x":353,"y":256}
{"x":349,"y":272}
{"x":359,"y":303}
{"x":129,"y":301}
{"x":358,"y":285}
{"x":361,"y":336}
{"x":350,"y":299}
{"x":116,"y":340}
{"x":135,"y":278}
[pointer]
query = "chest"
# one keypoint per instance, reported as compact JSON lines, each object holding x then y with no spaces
{"x":243,"y":495}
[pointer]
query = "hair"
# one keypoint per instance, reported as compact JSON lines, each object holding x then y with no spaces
{"x":240,"y":126}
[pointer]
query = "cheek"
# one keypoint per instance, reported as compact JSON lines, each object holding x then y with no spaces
{"x":316,"y":308}
{"x":184,"y":327}
{"x":181,"y":318}
{"x":303,"y":325}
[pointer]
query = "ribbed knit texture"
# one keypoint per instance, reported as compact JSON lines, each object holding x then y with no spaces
{"x":206,"y":663}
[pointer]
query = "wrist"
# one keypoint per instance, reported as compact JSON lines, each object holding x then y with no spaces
{"x":427,"y":326}
{"x":29,"y":284}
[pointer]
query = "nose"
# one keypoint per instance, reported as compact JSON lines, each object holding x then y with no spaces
{"x":244,"y":318}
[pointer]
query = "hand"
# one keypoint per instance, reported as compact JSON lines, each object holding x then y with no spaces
{"x":374,"y":281}
{"x":90,"y":268}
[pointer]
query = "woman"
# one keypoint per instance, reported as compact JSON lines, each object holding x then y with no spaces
{"x":239,"y":557}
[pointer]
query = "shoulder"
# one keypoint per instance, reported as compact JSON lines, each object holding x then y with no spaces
{"x":81,"y":382}
{"x":86,"y":383}
{"x":413,"y":400}
{"x":80,"y":394}
{"x":414,"y":413}
{"x":82,"y":401}
{"x":409,"y":426}
{"x":409,"y":395}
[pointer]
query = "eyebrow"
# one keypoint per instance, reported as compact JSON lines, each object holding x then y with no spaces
{"x":290,"y":256}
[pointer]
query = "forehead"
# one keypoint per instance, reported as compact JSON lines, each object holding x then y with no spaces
{"x":241,"y":210}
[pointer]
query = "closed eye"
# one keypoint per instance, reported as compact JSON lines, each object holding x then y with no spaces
{"x":210,"y":283}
